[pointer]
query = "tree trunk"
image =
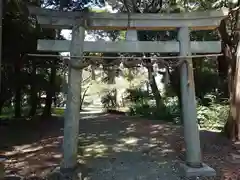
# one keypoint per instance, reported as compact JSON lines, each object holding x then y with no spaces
{"x":93,"y":68}
{"x":231,"y":51}
{"x":233,"y":123}
{"x":18,"y":96}
{"x":223,"y":74}
{"x":1,"y":106}
{"x":17,"y":105}
{"x":5,"y":96}
{"x":153,"y":85}
{"x":33,"y":96}
{"x":175,"y":85}
{"x":83,"y":97}
{"x":50,"y":93}
{"x":111,"y":80}
{"x":197,"y":68}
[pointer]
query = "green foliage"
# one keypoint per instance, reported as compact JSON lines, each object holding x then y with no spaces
{"x":206,"y":78}
{"x":7,"y":112}
{"x":151,"y":111}
{"x":109,"y":100}
{"x":214,"y":115}
{"x":173,"y":108}
{"x":20,"y":34}
{"x":58,"y":111}
{"x":142,"y":105}
{"x":137,"y":96}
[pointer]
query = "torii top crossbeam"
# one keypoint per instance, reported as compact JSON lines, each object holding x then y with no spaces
{"x":121,"y":21}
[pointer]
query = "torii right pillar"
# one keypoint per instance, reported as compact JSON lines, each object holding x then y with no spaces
{"x":194,"y":165}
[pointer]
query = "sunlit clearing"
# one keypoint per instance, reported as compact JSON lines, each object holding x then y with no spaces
{"x":23,"y":149}
{"x":95,"y":149}
{"x":156,"y":127}
{"x":120,"y":148}
{"x":19,"y":148}
{"x":57,"y":156}
{"x":131,"y":129}
{"x":153,"y":142}
{"x":162,"y":163}
{"x":130,"y":141}
{"x":166,"y":145}
{"x":154,"y":132}
{"x":167,"y":150}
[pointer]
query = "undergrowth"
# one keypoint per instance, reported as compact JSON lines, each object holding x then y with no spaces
{"x":211,"y":115}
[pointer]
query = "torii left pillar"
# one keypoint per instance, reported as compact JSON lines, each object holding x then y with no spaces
{"x":72,"y":114}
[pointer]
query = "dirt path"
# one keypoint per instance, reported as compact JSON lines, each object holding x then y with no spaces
{"x":113,"y":147}
{"x":128,"y":149}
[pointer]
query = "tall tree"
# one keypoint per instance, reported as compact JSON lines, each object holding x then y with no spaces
{"x":231,"y":50}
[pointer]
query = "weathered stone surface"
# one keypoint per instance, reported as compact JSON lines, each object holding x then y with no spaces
{"x":205,"y":170}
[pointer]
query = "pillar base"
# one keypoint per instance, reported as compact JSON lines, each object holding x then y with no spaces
{"x":205,"y":170}
{"x":63,"y":174}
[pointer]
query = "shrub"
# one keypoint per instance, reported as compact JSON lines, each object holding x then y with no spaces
{"x":109,"y":100}
{"x":137,"y":96}
{"x":169,"y":112}
{"x":210,"y":115}
{"x":213,"y":116}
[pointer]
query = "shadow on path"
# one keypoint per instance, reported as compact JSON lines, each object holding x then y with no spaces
{"x":111,"y":146}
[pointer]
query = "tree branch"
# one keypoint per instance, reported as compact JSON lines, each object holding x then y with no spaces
{"x":156,"y":6}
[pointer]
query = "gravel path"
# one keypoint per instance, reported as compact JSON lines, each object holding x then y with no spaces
{"x":117,"y":148}
{"x":112,"y":147}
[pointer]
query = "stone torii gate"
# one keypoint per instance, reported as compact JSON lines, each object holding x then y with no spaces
{"x":184,"y":22}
